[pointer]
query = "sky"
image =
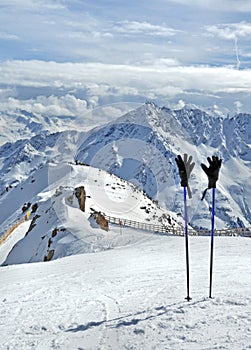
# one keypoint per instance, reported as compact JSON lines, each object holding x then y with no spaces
{"x":70,"y":56}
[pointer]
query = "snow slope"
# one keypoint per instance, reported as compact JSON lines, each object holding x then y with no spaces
{"x":16,"y":235}
{"x":141,"y":146}
{"x":22,"y":124}
{"x":59,"y":225}
{"x":130,"y":298}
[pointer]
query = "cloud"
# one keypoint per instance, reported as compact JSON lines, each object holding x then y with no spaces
{"x":230,"y":31}
{"x":32,"y":5}
{"x":108,"y":52}
{"x":101,"y":78}
{"x":238,"y":106}
{"x":215,"y":5}
{"x":114,"y":32}
{"x":7,"y":36}
{"x":71,"y":88}
{"x":67,"y":105}
{"x":144,"y":28}
{"x":233,"y":32}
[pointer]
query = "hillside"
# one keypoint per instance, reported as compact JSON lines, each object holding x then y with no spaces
{"x":140,"y":147}
{"x":124,"y":288}
{"x":57,"y":224}
{"x":22,"y":124}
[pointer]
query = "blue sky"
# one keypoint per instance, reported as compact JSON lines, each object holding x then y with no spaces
{"x":75,"y":55}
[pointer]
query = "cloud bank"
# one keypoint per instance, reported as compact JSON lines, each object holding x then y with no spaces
{"x":66,"y":57}
{"x":73,"y":88}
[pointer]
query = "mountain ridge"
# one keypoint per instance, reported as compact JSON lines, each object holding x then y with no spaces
{"x":140,"y":147}
{"x":59,"y":227}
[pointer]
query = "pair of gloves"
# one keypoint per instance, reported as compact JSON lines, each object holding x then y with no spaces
{"x":186,"y":166}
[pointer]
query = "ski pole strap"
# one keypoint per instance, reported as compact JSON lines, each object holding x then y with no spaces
{"x":204,"y":193}
{"x":189,"y":191}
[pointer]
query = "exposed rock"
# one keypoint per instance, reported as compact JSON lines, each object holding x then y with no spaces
{"x":26,"y":206}
{"x":49,"y":256}
{"x":33,"y":223}
{"x":50,"y":242}
{"x":81,"y":196}
{"x":102,"y":222}
{"x":34,"y":208}
{"x":54,"y":232}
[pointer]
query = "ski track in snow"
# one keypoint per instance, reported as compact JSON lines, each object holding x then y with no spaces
{"x":131,"y":298}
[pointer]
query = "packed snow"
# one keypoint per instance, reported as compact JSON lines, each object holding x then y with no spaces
{"x":123,"y":288}
{"x":131,"y":298}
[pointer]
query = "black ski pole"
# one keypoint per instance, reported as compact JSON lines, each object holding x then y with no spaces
{"x":212,"y":173}
{"x":185,"y":168}
{"x":212,"y":244}
{"x":186,"y":244}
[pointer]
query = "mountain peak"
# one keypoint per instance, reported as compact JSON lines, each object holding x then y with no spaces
{"x":141,"y":147}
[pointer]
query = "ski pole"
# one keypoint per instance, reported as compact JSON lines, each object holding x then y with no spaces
{"x":186,"y":244}
{"x":185,"y":168}
{"x":212,"y":173}
{"x":212,"y":244}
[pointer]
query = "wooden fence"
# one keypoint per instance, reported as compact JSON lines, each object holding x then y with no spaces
{"x":163,"y":229}
{"x":13,"y":227}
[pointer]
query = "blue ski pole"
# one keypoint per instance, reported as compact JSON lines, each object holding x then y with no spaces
{"x":212,"y":244}
{"x":185,"y":168}
{"x":212,"y":173}
{"x":186,"y":244}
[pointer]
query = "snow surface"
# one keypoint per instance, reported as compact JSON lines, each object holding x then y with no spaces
{"x":140,"y":147}
{"x":113,"y":290}
{"x":147,"y":141}
{"x":52,"y":189}
{"x":131,"y":298}
{"x":123,"y":289}
{"x":16,"y":235}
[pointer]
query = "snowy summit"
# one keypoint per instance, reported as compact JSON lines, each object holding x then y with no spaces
{"x":92,"y":250}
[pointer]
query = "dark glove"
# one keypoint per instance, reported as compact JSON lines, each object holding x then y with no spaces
{"x":185,"y":168}
{"x":212,"y":172}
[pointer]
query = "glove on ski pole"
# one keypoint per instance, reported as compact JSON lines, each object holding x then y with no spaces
{"x":185,"y":168}
{"x":212,"y":172}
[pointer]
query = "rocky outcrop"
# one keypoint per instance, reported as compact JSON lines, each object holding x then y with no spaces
{"x":34,"y":207}
{"x":54,"y":232}
{"x":49,"y":256}
{"x":101,"y":221}
{"x":33,"y":223}
{"x":81,"y":196}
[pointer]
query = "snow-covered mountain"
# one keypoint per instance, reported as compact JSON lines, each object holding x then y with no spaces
{"x":141,"y":146}
{"x":59,"y":227}
{"x":131,"y":296}
{"x":21,"y":124}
